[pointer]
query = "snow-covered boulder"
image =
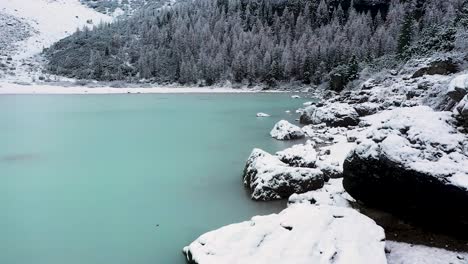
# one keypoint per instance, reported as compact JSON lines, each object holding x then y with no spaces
{"x":270,"y":179}
{"x":303,"y":155}
{"x":367,"y":108}
{"x":334,"y":115}
{"x":262,"y":115}
{"x":462,"y":110}
{"x":458,"y":87}
{"x":300,"y":234}
{"x":332,"y":194}
{"x":283,"y":130}
{"x":412,"y":162}
{"x":441,"y":66}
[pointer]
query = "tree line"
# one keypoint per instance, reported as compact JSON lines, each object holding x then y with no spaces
{"x":257,"y":41}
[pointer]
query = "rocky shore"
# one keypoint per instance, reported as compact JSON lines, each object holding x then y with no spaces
{"x":388,"y":152}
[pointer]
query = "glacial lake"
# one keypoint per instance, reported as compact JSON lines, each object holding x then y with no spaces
{"x":127,"y":179}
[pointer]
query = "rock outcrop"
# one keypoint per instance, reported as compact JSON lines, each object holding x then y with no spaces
{"x":414,"y":163}
{"x":283,"y":130}
{"x":333,"y":115}
{"x":441,"y":66}
{"x":458,"y":87}
{"x":270,"y":179}
{"x":462,"y":111}
{"x":300,"y":234}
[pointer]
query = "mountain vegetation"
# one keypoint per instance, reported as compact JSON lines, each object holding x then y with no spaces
{"x":260,"y":41}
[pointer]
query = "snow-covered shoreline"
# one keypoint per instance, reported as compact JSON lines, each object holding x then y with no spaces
{"x":12,"y":89}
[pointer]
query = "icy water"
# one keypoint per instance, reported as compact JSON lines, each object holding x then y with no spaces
{"x":126,"y":178}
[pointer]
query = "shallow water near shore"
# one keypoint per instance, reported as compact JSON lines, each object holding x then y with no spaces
{"x":127,"y":178}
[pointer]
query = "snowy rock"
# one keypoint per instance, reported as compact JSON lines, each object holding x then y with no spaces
{"x":369,"y":84}
{"x":303,"y":155}
{"x":300,"y":234}
{"x":367,"y":108}
{"x":262,"y":115}
{"x":458,"y":87}
{"x":295,"y":97}
{"x":334,"y":115}
{"x":271,"y":179}
{"x":412,"y":162}
{"x":462,"y":110}
{"x":332,"y":194}
{"x":441,"y":66}
{"x":403,"y":253}
{"x":283,"y":130}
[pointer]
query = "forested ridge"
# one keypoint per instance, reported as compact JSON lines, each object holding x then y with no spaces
{"x":259,"y":41}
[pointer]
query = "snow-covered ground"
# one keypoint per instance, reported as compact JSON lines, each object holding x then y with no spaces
{"x":404,"y":253}
{"x":301,"y":234}
{"x":51,"y":20}
{"x":13,"y":88}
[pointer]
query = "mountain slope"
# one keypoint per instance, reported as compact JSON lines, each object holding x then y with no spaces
{"x":49,"y":21}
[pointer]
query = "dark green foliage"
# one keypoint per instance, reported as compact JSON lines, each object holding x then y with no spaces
{"x":405,"y":36}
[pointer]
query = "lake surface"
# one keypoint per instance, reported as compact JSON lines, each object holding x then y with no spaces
{"x":92,"y":179}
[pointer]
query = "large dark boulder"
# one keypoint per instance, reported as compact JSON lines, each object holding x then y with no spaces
{"x":387,"y":185}
{"x":412,"y":163}
{"x":443,"y":67}
{"x":270,"y":179}
{"x":458,"y":88}
{"x":333,"y":115}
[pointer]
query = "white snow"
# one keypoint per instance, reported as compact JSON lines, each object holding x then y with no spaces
{"x":419,"y":139}
{"x":300,"y":234}
{"x":332,"y":193}
{"x":283,"y":130}
{"x":307,"y":103}
{"x":54,"y":20}
{"x":403,"y":253}
{"x":262,"y":115}
{"x":265,"y":174}
{"x":302,"y":155}
{"x":295,"y":97}
{"x":332,"y":113}
{"x":459,"y":82}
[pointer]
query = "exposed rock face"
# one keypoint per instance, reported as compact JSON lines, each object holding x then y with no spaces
{"x":412,"y":162}
{"x":334,"y":115}
{"x":283,"y":130}
{"x":443,"y":67}
{"x":458,"y":88}
{"x":300,"y":234}
{"x":271,"y":179}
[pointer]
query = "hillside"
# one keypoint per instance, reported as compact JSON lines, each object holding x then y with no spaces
{"x":31,"y":26}
{"x":269,"y":42}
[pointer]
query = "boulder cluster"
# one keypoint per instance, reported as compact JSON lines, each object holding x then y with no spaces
{"x":397,"y":144}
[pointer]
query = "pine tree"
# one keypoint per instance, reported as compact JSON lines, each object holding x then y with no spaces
{"x":404,"y":38}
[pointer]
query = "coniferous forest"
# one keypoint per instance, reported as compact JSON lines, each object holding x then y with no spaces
{"x":260,"y":41}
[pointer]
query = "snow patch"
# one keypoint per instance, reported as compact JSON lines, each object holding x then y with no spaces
{"x":300,"y":234}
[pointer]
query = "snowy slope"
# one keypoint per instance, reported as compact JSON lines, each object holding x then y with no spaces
{"x":52,"y":20}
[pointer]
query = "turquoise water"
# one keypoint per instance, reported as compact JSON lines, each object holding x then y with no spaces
{"x":126,"y":179}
